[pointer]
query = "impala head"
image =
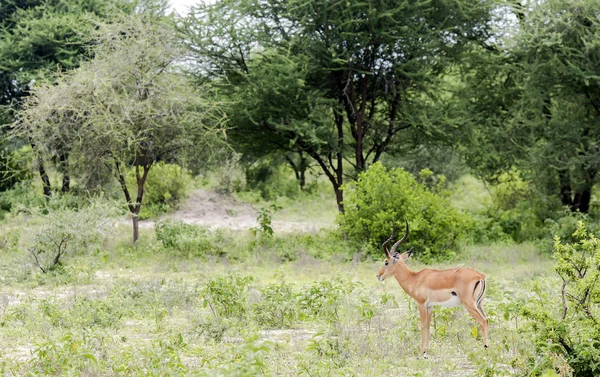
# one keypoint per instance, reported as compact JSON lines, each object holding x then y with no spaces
{"x":393,"y":258}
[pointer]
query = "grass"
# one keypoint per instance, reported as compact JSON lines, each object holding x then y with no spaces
{"x":298,"y":304}
{"x":125,"y":311}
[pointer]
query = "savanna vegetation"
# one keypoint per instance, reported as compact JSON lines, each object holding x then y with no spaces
{"x":207,"y":194}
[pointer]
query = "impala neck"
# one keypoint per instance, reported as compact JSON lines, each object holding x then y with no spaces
{"x":403,"y":275}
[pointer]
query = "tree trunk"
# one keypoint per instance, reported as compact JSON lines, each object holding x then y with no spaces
{"x":581,"y":201}
{"x":64,"y":167}
{"x":44,"y":177}
{"x":566,"y":194}
{"x":140,"y":178}
{"x":339,"y":197}
{"x":136,"y":230}
{"x":299,"y":169}
{"x":302,"y":179}
{"x":583,"y":195}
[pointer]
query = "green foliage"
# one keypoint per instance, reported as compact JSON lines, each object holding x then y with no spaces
{"x":14,"y":169}
{"x":65,"y":233}
{"x":248,"y":360}
{"x":271,"y":181}
{"x":441,"y":160}
{"x":290,"y":247}
{"x":164,"y":189}
{"x":569,"y":330}
{"x":9,"y":240}
{"x":264,"y":220}
{"x":330,"y":349}
{"x":382,"y":198}
{"x":188,"y":240}
{"x":531,"y":101}
{"x":227,"y":295}
{"x":126,"y":107}
{"x":344,"y":94}
{"x":515,"y":209}
{"x":278,"y":307}
{"x":70,"y":353}
{"x":321,"y":299}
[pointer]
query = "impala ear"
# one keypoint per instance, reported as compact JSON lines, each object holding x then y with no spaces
{"x":407,"y":254}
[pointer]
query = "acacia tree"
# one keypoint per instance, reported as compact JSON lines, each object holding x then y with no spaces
{"x":536,"y":104}
{"x":359,"y":68}
{"x":39,"y":39}
{"x":126,"y":107}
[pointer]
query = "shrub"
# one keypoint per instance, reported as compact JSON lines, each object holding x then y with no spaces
{"x":9,"y":240}
{"x":14,"y":167}
{"x":165,"y":187}
{"x":322,"y":299}
{"x":278,"y":307}
{"x":186,"y":239}
{"x":265,"y":221}
{"x":380,"y":198}
{"x":517,"y":209}
{"x":566,"y":326}
{"x":67,"y":232}
{"x":271,"y":181}
{"x":227,"y":295}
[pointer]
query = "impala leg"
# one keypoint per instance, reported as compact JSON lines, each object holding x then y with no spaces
{"x":479,"y":317}
{"x":425,"y":314}
{"x":428,"y":325}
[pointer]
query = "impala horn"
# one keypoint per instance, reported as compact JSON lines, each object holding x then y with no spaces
{"x":395,"y":246}
{"x":387,"y":252}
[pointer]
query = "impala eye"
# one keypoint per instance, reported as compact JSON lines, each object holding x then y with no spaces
{"x":386,"y":263}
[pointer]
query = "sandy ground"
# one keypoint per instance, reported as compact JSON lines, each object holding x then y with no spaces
{"x":213,"y":210}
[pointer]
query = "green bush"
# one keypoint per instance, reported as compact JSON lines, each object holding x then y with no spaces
{"x":227,"y":295}
{"x":165,"y":187}
{"x":517,"y":209}
{"x":278,"y":307}
{"x":271,"y":181}
{"x":14,"y":167}
{"x":188,"y":240}
{"x":380,"y":198}
{"x":67,"y":232}
{"x":567,"y":325}
{"x":322,"y":299}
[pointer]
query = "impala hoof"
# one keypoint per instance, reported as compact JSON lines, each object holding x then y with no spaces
{"x":425,"y":356}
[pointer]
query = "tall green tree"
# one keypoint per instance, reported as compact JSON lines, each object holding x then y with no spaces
{"x":535,"y":104}
{"x":338,"y":81}
{"x":127,"y":107}
{"x":41,"y":38}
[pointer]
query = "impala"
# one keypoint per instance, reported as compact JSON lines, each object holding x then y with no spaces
{"x":428,"y":287}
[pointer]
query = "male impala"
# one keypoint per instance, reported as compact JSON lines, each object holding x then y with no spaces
{"x":448,"y":288}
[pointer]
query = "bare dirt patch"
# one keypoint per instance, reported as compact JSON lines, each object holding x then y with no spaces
{"x":217,"y":211}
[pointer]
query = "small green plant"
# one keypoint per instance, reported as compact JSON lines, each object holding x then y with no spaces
{"x":330,"y":348}
{"x":213,"y":327}
{"x":367,"y":310}
{"x":9,"y":240}
{"x":265,"y":220}
{"x":186,"y":239}
{"x":13,"y":167}
{"x":66,"y":356}
{"x":67,"y":232}
{"x":226,"y":296}
{"x":247,"y":360}
{"x":278,"y":307}
{"x":322,"y":299}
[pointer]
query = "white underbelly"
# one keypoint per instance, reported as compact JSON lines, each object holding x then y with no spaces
{"x":450,"y":303}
